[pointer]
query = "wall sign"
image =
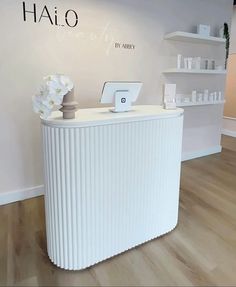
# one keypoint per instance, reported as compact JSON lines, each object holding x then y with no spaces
{"x":124,"y":46}
{"x":37,"y":15}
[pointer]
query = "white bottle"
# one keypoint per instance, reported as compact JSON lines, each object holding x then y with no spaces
{"x":206,"y":64}
{"x":220,"y":96}
{"x":179,"y":61}
{"x":206,"y":95}
{"x":185,"y":63}
{"x":194,"y":96}
{"x":200,"y":97}
{"x":190,"y":63}
{"x":215,"y":96}
{"x":178,"y":98}
{"x":211,"y":97}
{"x":198,"y":63}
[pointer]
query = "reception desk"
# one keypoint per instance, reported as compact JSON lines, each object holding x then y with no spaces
{"x":111,"y":181}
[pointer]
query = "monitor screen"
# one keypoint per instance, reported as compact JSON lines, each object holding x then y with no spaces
{"x":111,"y":88}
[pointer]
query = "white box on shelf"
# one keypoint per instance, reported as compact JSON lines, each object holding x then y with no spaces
{"x":178,"y":98}
{"x":204,"y":30}
{"x":186,"y":100}
{"x":169,"y":96}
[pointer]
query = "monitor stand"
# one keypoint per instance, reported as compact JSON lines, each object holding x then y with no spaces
{"x":122,"y":102}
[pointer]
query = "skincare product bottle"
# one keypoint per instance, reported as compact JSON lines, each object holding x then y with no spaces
{"x":211,"y":97}
{"x":200,"y":97}
{"x":194,"y":96}
{"x":206,"y":95}
{"x":185,"y":63}
{"x":206,"y":64}
{"x":198,"y":63}
{"x":190,"y":63}
{"x":179,"y":61}
{"x":178,"y":98}
{"x":215,"y":96}
{"x":194,"y":63}
{"x":221,"y":32}
{"x":213,"y":64}
{"x":220,"y":96}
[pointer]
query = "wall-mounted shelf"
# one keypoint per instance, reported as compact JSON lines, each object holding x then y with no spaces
{"x":191,"y":104}
{"x":187,"y":71}
{"x":194,"y":38}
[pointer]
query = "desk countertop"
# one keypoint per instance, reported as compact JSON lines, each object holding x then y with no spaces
{"x":103,"y":116}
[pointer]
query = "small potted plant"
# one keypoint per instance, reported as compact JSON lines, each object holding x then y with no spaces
{"x":227,"y":43}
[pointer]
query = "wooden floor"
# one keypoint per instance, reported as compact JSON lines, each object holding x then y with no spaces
{"x":200,"y":251}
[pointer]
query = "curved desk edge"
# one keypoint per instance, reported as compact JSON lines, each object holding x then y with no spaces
{"x":103,"y":116}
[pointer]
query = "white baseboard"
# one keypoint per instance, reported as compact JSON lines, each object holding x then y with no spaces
{"x":14,"y":196}
{"x":229,"y":127}
{"x":229,"y":133}
{"x":18,"y":195}
{"x":192,"y":155}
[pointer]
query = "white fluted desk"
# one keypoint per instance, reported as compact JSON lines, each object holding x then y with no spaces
{"x":111,"y":181}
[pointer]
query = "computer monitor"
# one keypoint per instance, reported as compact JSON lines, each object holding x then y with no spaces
{"x":121,"y":94}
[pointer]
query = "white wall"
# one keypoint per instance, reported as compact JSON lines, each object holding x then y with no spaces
{"x":232,"y":49}
{"x":229,"y":126}
{"x":86,"y":53}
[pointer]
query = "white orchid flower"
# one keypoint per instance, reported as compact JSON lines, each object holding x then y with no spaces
{"x":57,"y":88}
{"x":52,"y":100}
{"x":44,"y":90}
{"x":40,"y":108}
{"x":47,"y":98}
{"x":63,"y":80}
{"x":50,"y":78}
{"x":51,"y":94}
{"x":66,"y":81}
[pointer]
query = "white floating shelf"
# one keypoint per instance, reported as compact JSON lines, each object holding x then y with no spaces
{"x":194,"y":38}
{"x":191,"y":104}
{"x":187,"y":71}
